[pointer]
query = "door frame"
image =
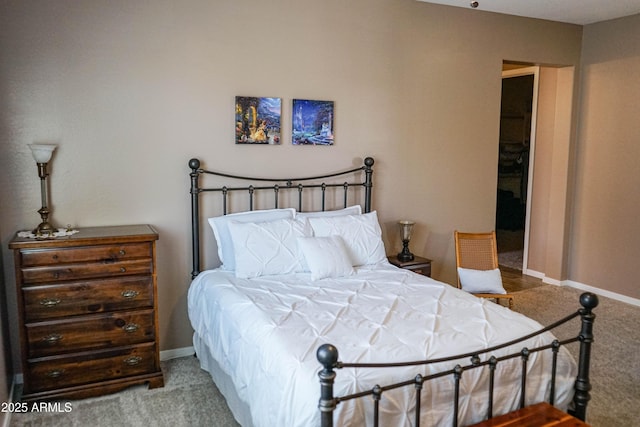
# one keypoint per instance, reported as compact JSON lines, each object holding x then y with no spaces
{"x":518,"y":72}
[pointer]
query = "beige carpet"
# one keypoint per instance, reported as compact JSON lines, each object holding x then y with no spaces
{"x":190,"y":398}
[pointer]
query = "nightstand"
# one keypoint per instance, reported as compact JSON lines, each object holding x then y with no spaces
{"x":418,"y":265}
{"x":87,"y":312}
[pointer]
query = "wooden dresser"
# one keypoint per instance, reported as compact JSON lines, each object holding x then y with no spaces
{"x":87,"y":311}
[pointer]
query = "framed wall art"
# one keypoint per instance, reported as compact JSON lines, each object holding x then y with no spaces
{"x":312,"y":122}
{"x":258,"y":120}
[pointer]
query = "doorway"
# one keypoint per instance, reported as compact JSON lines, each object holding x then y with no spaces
{"x":515,"y":165}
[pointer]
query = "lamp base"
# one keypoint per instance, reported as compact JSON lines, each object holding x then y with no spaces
{"x":405,"y":257}
{"x":44,"y":229}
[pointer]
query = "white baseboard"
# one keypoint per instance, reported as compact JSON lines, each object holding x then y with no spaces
{"x":578,"y":285}
{"x":550,"y":281}
{"x":534,"y":273}
{"x":177,"y":352}
{"x":540,"y":275}
{"x":602,"y":292}
{"x":543,"y":277}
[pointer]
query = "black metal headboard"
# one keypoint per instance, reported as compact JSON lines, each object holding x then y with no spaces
{"x":275,"y":185}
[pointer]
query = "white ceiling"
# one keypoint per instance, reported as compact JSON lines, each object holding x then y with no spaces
{"x":580,"y":12}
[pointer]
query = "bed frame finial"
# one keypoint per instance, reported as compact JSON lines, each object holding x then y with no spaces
{"x":194,"y":164}
{"x":327,"y":355}
{"x":589,"y":300}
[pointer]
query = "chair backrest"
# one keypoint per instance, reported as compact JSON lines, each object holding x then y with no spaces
{"x":478,"y":251}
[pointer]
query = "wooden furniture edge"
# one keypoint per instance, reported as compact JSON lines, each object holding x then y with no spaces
{"x":539,"y":414}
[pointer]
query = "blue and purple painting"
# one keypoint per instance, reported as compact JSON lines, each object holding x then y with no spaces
{"x":258,"y":120}
{"x":312,"y":122}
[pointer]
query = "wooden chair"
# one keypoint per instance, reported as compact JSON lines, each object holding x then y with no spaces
{"x":479,"y":251}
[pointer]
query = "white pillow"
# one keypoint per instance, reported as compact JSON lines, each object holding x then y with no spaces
{"x":481,"y":281}
{"x":220,"y":228}
{"x":326,"y":257}
{"x":351,"y":210}
{"x":362,"y":235}
{"x":268,"y":247}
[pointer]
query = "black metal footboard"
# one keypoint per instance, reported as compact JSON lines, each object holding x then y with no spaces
{"x":327,"y":355}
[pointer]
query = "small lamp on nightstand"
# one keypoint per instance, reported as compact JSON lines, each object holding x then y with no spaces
{"x":406,"y":227}
{"x":42,"y":154}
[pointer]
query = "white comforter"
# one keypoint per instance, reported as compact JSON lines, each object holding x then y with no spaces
{"x":264,"y":333}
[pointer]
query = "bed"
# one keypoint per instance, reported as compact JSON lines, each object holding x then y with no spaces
{"x":298,"y":283}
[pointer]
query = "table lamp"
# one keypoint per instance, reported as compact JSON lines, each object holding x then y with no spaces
{"x":406,"y":227}
{"x":42,"y":155}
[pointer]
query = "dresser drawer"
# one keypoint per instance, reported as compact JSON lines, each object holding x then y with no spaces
{"x":55,"y":273}
{"x":84,"y":368}
{"x":90,"y":332}
{"x":95,"y":296}
{"x":73,"y":255}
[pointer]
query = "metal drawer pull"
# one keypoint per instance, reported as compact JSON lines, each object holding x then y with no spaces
{"x":130,"y":327}
{"x":56,"y":275}
{"x":55,"y":373}
{"x":52,"y":339}
{"x":50,"y":302}
{"x":133,"y":360}
{"x":122,"y":252}
{"x":129,"y":294}
{"x":123,"y":270}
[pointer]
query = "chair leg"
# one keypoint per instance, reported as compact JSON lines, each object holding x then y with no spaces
{"x":498,"y":300}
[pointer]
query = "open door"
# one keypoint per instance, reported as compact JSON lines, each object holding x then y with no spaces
{"x":515,"y":164}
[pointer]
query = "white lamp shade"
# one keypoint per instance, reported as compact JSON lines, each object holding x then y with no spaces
{"x":42,"y":152}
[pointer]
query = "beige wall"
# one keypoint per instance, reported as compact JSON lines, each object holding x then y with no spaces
{"x":544,"y":134}
{"x":549,"y":216}
{"x":130,"y":90}
{"x":605,"y":244}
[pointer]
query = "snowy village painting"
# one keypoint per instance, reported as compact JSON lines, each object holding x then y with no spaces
{"x":258,"y":120}
{"x":312,"y":122}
